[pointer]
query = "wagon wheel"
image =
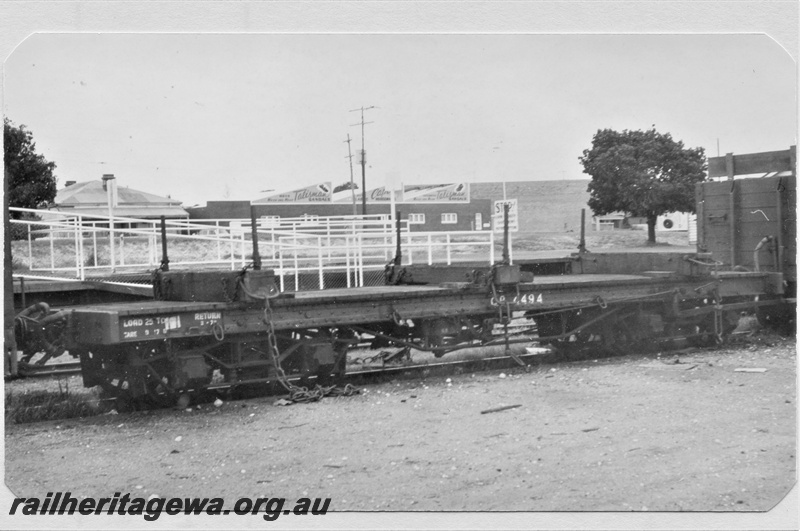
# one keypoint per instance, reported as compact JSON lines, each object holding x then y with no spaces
{"x":340,"y":363}
{"x":343,"y":339}
{"x":780,"y":317}
{"x":556,"y":324}
{"x":703,"y":334}
{"x":622,"y":334}
{"x":117,"y":389}
{"x":548,"y":325}
{"x":711,"y":328}
{"x":132,"y":393}
{"x":576,"y":345}
{"x":127,"y":380}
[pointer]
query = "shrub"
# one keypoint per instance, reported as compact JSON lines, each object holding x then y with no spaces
{"x":38,"y":405}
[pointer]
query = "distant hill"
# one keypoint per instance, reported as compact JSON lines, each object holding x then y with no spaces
{"x":544,"y":206}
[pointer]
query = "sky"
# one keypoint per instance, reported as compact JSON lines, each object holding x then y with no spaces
{"x":205,"y":117}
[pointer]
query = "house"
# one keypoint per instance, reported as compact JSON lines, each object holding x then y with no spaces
{"x":615,"y":220}
{"x":91,"y":200}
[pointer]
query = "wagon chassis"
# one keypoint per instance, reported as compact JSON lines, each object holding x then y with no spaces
{"x":157,"y":351}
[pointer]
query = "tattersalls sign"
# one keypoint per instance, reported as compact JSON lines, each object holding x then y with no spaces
{"x":436,"y":193}
{"x":318,"y":193}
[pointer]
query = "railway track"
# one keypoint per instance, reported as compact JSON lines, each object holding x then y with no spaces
{"x":49,"y":371}
{"x":74,"y":368}
{"x":360,"y":371}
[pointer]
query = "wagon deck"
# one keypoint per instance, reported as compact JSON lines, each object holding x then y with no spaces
{"x":112,"y":323}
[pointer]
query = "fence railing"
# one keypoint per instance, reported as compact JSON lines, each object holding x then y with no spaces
{"x":336,"y":252}
{"x":328,"y":226}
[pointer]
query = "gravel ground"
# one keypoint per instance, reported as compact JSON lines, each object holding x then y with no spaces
{"x":637,"y":433}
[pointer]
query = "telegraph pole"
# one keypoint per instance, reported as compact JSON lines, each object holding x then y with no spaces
{"x":363,"y":159}
{"x":352,"y":190}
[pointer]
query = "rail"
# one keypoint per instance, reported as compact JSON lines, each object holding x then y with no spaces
{"x":337,"y":252}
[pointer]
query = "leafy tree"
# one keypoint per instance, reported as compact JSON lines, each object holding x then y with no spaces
{"x":345,"y":186}
{"x":31,"y":180}
{"x":642,"y":173}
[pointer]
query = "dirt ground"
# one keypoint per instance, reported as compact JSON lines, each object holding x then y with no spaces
{"x":637,"y":433}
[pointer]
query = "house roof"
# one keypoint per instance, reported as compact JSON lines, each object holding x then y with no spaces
{"x":127,"y":212}
{"x":92,"y":193}
{"x":90,"y":198}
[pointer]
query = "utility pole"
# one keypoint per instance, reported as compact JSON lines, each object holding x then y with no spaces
{"x":363,"y":159}
{"x":352,"y":190}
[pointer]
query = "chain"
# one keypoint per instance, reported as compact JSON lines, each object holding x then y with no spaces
{"x":297,"y":393}
{"x":273,"y":348}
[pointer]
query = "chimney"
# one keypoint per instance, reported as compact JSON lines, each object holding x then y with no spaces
{"x":110,"y":186}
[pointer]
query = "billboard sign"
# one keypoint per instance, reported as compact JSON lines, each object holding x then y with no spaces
{"x":513,"y":215}
{"x":436,"y":193}
{"x":381,"y":194}
{"x":318,"y":193}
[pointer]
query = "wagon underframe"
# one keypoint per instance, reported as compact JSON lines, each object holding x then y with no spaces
{"x":164,"y":348}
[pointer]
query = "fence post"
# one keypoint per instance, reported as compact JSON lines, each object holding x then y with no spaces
{"x":82,"y":270}
{"x":52,"y":251}
{"x":296,"y":266}
{"x":361,"y":260}
{"x":219,"y":241}
{"x":94,"y":243}
{"x":491,"y":247}
{"x":149,"y":243}
{"x":347,"y":258}
{"x":319,"y":258}
{"x":154,"y":244}
{"x":232,"y":250}
{"x":77,"y":251}
{"x":30,"y":247}
{"x":280,"y":268}
{"x":111,"y":242}
{"x":272,"y":241}
{"x":430,"y":250}
{"x":122,"y":248}
{"x":328,"y":223}
{"x":244,"y":259}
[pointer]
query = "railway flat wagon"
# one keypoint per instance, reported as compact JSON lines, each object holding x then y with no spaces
{"x":223,"y":329}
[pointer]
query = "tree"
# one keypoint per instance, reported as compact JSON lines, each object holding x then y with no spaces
{"x":642,"y":173}
{"x":31,"y":180}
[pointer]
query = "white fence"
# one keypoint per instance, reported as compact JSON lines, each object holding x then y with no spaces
{"x":305,"y":253}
